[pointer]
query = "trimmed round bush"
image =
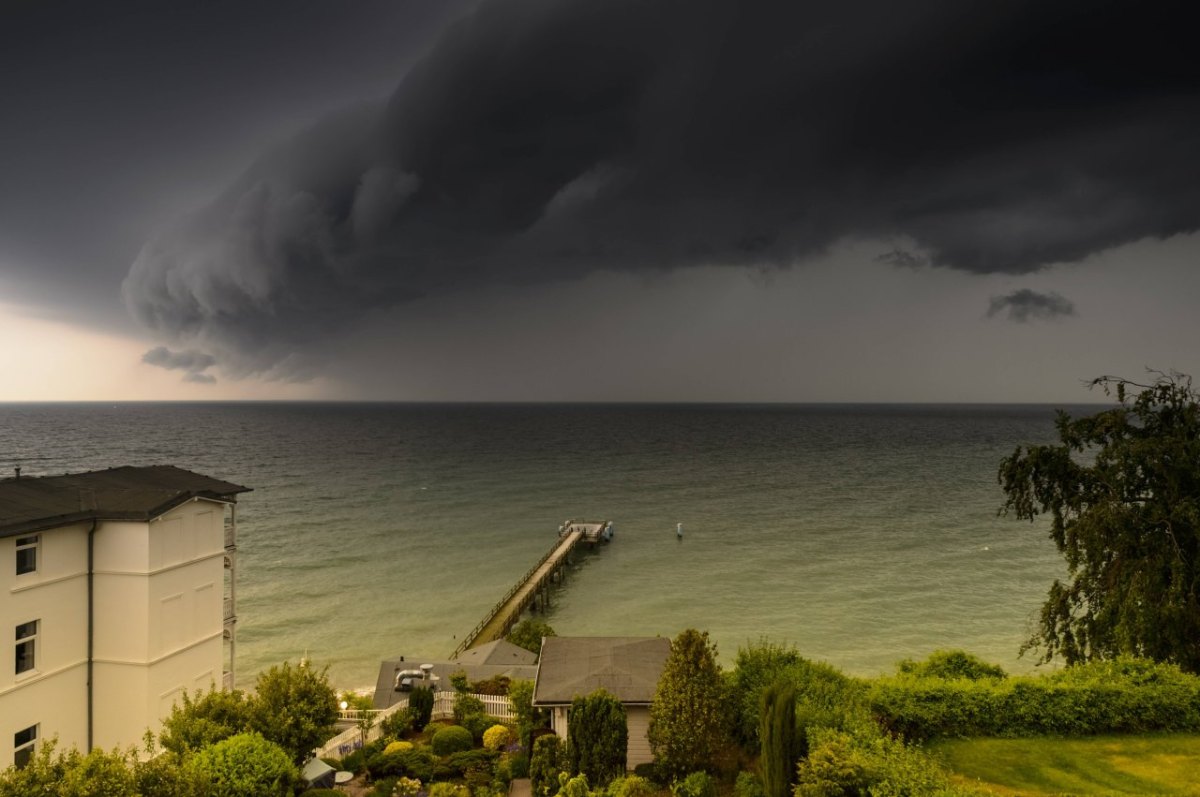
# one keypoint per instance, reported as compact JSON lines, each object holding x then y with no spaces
{"x":398,"y":747}
{"x":496,"y":737}
{"x":452,"y":739}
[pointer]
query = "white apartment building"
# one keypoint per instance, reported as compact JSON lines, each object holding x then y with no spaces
{"x":117,"y":592}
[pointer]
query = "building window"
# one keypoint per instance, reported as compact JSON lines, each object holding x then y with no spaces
{"x":26,"y":645}
{"x":23,"y":744}
{"x":27,"y":553}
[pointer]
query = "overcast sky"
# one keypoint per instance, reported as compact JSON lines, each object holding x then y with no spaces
{"x":623,"y":200}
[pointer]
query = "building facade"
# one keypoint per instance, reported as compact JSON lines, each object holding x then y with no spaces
{"x":120,"y":590}
{"x":628,"y":668}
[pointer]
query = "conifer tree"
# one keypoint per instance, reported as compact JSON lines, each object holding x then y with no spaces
{"x":597,"y":737}
{"x":777,"y":735}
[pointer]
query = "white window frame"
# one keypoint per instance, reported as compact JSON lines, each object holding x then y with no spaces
{"x":32,"y":543}
{"x":28,"y":638}
{"x":25,"y":749}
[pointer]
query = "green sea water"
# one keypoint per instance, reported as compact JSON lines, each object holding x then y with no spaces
{"x":861,"y":534}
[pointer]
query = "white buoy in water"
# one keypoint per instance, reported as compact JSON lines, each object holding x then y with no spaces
{"x":679,"y":530}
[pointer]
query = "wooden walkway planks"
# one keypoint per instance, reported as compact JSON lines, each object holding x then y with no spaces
{"x":505,"y":613}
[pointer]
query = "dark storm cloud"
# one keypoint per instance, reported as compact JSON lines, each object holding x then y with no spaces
{"x":1025,"y":305}
{"x":540,"y":140}
{"x":193,"y":363}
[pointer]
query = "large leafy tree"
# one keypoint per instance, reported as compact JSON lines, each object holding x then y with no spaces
{"x":687,"y":718}
{"x":294,"y":707}
{"x":1122,"y":489}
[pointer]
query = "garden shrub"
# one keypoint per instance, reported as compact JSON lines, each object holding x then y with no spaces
{"x":497,"y":685}
{"x":573,"y":786}
{"x":472,"y":760}
{"x":398,"y":747}
{"x":381,"y":788}
{"x":322,"y":793}
{"x":825,"y":697}
{"x":496,"y":737}
{"x":597,"y":737}
{"x":951,"y":665}
{"x":420,"y":704}
{"x":1123,"y":695}
{"x":246,"y":765}
{"x":417,"y":763}
{"x":630,"y":786}
{"x":748,"y":785}
{"x":518,"y":765}
{"x":449,"y":790}
{"x":547,"y":761}
{"x":398,"y":723}
{"x":697,"y":784}
{"x":649,"y":771}
{"x":355,"y":762}
{"x":867,"y":762}
{"x":452,"y":739}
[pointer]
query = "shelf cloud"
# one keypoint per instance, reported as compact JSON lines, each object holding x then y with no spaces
{"x":541,"y":141}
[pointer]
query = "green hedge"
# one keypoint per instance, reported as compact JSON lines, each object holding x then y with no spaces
{"x":1120,"y":696}
{"x":452,"y":739}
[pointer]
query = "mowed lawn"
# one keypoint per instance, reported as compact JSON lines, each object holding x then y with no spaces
{"x":1151,"y":764}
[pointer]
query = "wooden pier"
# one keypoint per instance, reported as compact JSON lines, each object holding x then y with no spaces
{"x":535,"y":583}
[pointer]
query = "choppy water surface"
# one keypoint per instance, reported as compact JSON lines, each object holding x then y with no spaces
{"x":863,"y":534}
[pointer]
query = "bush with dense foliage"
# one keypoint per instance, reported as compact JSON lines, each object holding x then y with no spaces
{"x":398,"y":747}
{"x":452,"y":739}
{"x":697,"y":784}
{"x":630,"y":786}
{"x":597,"y":737}
{"x":420,"y":703}
{"x":549,"y":758}
{"x":398,"y":723}
{"x":748,"y":785}
{"x":449,"y":790}
{"x":1119,"y":696}
{"x":688,"y":723}
{"x":868,"y":762}
{"x":951,"y":664}
{"x":245,"y":765}
{"x":496,"y":737}
{"x":825,"y":697}
{"x":415,"y":763}
{"x":464,"y":761}
{"x":207,"y":718}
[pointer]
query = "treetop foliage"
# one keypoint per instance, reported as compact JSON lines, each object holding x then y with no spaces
{"x":1122,"y":489}
{"x":528,"y":634}
{"x":688,"y":722}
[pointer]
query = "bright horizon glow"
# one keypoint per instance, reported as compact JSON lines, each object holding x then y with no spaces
{"x":47,"y":360}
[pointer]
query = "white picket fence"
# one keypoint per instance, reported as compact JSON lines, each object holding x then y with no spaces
{"x":352,"y":739}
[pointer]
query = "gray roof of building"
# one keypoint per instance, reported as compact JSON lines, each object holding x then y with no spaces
{"x":128,"y":493}
{"x":626,"y":667}
{"x":500,"y":652}
{"x":385,"y":694}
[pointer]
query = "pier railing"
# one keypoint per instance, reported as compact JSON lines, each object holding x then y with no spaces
{"x":470,"y":638}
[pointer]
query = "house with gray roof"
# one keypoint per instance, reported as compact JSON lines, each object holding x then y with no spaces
{"x":626,"y":667}
{"x":116,"y":593}
{"x":398,"y":675}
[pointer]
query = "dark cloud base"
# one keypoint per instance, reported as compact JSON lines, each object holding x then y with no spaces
{"x":541,"y":140}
